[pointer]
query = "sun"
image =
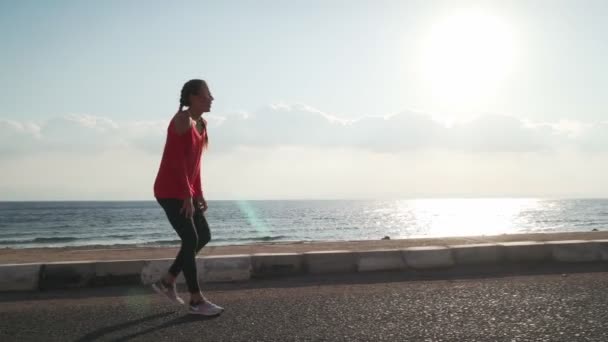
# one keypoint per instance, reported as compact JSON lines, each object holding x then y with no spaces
{"x":465,"y":58}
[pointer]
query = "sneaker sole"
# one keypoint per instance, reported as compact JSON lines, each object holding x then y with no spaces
{"x":190,"y":312}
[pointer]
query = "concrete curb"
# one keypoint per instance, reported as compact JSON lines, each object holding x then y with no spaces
{"x":478,"y":254}
{"x":380,"y":260}
{"x":575,"y":251}
{"x":324,"y":262}
{"x":66,"y":275}
{"x":225,"y":268}
{"x":236,"y":268}
{"x":428,"y":257}
{"x":276,"y":264}
{"x":19,"y":277}
{"x":603,"y":248}
{"x":526,"y":251}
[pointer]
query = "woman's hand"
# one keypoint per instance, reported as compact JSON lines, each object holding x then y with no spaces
{"x":202,"y":204}
{"x":187,"y":208}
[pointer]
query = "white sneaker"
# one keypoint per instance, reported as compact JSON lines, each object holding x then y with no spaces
{"x":205,"y":308}
{"x":168,"y":292}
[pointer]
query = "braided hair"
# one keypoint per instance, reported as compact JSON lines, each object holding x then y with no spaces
{"x":193,"y":87}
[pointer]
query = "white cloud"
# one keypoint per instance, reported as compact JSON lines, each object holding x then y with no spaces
{"x":79,"y":134}
{"x":499,"y":133}
{"x":297,"y":151}
{"x":301,"y":125}
{"x":594,"y":137}
{"x":15,"y":136}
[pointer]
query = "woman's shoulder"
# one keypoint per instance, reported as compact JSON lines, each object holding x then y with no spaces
{"x":181,"y":122}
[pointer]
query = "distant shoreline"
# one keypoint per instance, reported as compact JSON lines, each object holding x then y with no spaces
{"x":320,"y":199}
{"x":131,"y":252}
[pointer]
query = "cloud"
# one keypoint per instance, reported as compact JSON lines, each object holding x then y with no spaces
{"x":499,"y":133}
{"x":16,"y":136}
{"x":594,"y":138}
{"x":79,"y":134}
{"x":280,"y":125}
{"x":300,"y":152}
{"x":301,"y":125}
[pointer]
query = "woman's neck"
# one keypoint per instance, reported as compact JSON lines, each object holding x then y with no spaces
{"x":194,"y":114}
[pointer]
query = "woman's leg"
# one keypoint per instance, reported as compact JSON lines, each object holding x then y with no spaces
{"x":185,"y":259}
{"x":204,"y":236}
{"x":194,"y":234}
{"x":202,"y":229}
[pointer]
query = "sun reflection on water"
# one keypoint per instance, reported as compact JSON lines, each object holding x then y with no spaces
{"x":462,"y":217}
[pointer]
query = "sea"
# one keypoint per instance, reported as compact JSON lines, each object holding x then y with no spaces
{"x":143,"y":223}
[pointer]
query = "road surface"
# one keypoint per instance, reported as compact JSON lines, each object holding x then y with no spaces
{"x":356,"y":307}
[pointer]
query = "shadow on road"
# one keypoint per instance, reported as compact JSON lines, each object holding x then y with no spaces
{"x":455,"y":273}
{"x":111,"y":329}
{"x":177,"y":321}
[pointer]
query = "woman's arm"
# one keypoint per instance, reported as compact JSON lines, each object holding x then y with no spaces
{"x":198,"y":192}
{"x":181,"y":124}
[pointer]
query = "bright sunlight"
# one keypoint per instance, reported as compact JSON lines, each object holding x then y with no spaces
{"x":466,"y":56}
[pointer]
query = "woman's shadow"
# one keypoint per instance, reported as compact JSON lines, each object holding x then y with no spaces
{"x":114,"y":328}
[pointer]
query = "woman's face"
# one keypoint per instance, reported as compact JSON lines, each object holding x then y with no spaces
{"x":203,"y":99}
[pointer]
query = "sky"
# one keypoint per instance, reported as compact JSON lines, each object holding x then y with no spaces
{"x":313,"y":99}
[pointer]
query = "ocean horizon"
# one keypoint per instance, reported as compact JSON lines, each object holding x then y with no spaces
{"x":55,"y":224}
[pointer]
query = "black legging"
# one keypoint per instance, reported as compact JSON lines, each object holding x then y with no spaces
{"x":194,"y":234}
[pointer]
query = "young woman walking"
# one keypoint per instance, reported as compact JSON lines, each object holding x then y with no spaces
{"x":178,"y":191}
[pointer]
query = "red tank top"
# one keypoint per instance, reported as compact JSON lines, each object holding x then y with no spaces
{"x":179,"y":174}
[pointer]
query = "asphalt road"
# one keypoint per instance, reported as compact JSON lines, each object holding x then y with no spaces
{"x":371,"y":307}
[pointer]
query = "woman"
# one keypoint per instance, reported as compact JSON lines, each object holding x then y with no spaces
{"x":178,"y":191}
